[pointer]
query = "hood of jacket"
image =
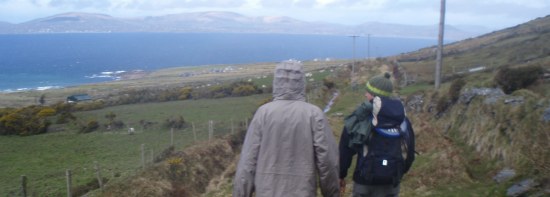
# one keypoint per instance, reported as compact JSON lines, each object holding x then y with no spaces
{"x":289,"y":81}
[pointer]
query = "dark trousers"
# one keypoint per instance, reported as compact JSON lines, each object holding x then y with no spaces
{"x":375,"y":190}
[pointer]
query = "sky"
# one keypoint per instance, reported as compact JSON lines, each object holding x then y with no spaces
{"x":491,"y":14}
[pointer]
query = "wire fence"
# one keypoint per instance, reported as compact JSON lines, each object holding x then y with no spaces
{"x":79,"y":179}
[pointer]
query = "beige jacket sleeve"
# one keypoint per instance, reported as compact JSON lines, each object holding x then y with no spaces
{"x":326,"y":155}
{"x":246,"y":169}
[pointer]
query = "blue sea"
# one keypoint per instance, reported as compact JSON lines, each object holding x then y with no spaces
{"x":44,"y":61}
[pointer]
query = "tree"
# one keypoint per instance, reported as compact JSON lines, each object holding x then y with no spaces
{"x":110,"y":116}
{"x":42,"y":99}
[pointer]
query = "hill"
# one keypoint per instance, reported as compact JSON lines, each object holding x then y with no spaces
{"x":515,"y":46}
{"x":216,"y":22}
{"x":480,"y":144}
{"x":473,"y":138}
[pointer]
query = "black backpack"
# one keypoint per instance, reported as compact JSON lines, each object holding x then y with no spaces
{"x":384,"y":163}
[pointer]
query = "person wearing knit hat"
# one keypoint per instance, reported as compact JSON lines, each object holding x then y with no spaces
{"x":373,"y":133}
{"x":380,"y":85}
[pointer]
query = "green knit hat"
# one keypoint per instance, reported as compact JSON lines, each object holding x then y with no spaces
{"x":380,"y":85}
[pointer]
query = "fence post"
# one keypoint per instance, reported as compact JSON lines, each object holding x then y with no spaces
{"x":172,"y":137}
{"x":194,"y":133}
{"x":69,"y":182}
{"x":143,"y":156}
{"x":98,"y":175}
{"x":24,"y":185}
{"x":210,"y":129}
{"x":152,"y":156}
{"x":232,"y":128}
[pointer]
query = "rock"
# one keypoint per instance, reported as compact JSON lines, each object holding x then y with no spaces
{"x":415,"y":103}
{"x":492,"y":95}
{"x":514,"y":100}
{"x":504,"y":175}
{"x":521,"y":188}
{"x":546,"y":115}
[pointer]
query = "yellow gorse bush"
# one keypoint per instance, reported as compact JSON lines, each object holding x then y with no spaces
{"x":174,"y":161}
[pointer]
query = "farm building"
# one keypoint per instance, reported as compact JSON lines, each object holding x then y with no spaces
{"x":78,"y":98}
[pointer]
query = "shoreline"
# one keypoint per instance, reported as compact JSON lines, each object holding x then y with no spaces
{"x":160,"y":78}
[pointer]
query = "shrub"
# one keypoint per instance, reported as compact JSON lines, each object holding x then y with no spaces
{"x":512,"y":79}
{"x":47,"y":111}
{"x":329,"y":83}
{"x":24,"y":121}
{"x":442,"y":105}
{"x":88,"y":106}
{"x":175,"y":164}
{"x":116,"y":124}
{"x":243,"y":90}
{"x":177,"y":123}
{"x":62,"y":107}
{"x":91,"y":184}
{"x":186,"y":93}
{"x":454,"y":91}
{"x":145,"y":124}
{"x":110,"y":116}
{"x":91,"y":126}
{"x":64,"y":118}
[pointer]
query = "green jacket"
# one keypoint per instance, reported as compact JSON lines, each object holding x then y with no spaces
{"x":358,"y":124}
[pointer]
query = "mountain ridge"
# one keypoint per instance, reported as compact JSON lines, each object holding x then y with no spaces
{"x":218,"y":22}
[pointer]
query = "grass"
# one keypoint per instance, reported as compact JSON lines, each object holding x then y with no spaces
{"x":169,"y":77}
{"x":415,"y":88}
{"x":44,"y":158}
{"x":447,"y":166}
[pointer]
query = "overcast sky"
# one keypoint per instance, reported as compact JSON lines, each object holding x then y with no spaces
{"x":493,"y":14}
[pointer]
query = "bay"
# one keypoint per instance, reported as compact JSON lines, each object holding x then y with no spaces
{"x":43,"y":61}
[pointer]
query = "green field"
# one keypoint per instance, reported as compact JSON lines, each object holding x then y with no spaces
{"x":43,"y":159}
{"x":460,"y":147}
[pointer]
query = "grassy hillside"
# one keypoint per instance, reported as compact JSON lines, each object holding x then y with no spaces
{"x":44,"y":158}
{"x":464,"y":146}
{"x":461,"y":145}
{"x":515,"y":46}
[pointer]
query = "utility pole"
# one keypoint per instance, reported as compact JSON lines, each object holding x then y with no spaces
{"x":439,"y":60}
{"x":352,"y":77}
{"x":368,"y":46}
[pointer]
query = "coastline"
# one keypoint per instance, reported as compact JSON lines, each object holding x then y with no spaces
{"x":161,"y":78}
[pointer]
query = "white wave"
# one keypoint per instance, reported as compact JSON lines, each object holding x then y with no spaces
{"x":41,"y":88}
{"x":107,"y":74}
{"x":47,"y":87}
{"x":22,"y":89}
{"x":99,"y":76}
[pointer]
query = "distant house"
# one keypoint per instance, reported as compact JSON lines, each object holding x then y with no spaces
{"x":78,"y":98}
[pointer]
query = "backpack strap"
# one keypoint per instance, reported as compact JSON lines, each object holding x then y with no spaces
{"x":394,"y":132}
{"x":409,"y":142}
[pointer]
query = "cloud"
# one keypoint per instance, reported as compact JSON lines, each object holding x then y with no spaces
{"x":80,"y":4}
{"x":496,"y":13}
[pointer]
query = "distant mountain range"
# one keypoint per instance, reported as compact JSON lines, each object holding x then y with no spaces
{"x":218,"y":22}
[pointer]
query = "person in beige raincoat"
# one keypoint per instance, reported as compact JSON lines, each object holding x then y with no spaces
{"x":289,"y":146}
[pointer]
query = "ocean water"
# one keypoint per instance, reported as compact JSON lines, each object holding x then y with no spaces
{"x":43,"y":61}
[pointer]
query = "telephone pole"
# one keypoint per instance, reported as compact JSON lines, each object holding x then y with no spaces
{"x":352,"y":77}
{"x":368,"y":46}
{"x":439,"y":60}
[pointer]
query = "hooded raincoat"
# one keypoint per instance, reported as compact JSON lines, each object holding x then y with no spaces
{"x":289,"y":145}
